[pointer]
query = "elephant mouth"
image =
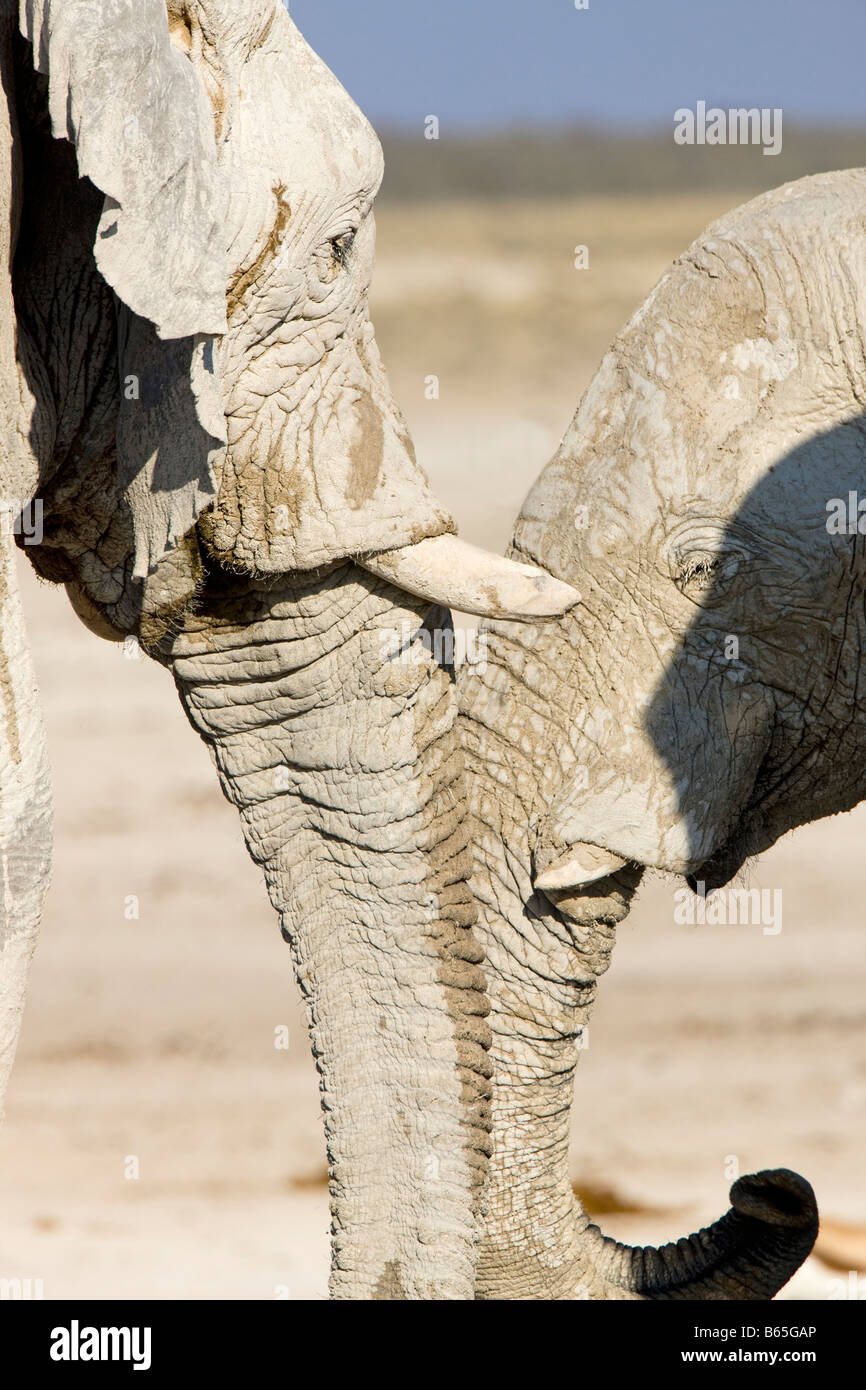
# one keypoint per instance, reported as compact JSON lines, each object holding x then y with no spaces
{"x":746,"y":842}
{"x":718,"y":870}
{"x":588,"y":884}
{"x":749,"y":837}
{"x":586,"y":871}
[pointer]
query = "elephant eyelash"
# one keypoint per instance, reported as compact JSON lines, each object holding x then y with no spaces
{"x":342,"y":245}
{"x":332,"y":256}
{"x":699,"y":571}
{"x":705,"y":577}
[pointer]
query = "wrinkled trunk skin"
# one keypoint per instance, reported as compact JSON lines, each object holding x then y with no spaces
{"x":336,"y":740}
{"x":542,"y":970}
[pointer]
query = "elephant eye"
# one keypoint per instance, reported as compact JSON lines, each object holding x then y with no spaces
{"x":705,"y":576}
{"x":698,"y":571}
{"x":342,"y":245}
{"x":333,"y":255}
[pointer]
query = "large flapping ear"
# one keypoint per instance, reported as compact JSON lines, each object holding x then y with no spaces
{"x":142,"y":127}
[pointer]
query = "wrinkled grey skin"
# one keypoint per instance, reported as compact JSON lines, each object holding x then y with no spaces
{"x":688,"y":504}
{"x":190,"y":385}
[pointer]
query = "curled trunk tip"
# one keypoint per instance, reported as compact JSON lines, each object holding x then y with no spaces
{"x":749,"y":1255}
{"x":777,"y":1197}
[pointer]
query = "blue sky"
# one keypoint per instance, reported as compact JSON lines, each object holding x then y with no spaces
{"x":487,"y":63}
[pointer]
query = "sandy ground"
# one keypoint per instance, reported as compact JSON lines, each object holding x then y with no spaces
{"x":148,"y":1046}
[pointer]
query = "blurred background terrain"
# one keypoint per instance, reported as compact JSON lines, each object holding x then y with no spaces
{"x":157,"y":1143}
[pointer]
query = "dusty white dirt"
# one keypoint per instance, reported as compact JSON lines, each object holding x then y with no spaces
{"x":150,"y":1037}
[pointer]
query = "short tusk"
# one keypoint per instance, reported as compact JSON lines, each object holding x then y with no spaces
{"x":446,"y":570}
{"x":579,"y":866}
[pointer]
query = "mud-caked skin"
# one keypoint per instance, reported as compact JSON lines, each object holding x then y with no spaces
{"x":343,"y":764}
{"x":190,"y":387}
{"x":703,"y":699}
{"x":691,"y":500}
{"x":544,"y":956}
{"x":190,"y":384}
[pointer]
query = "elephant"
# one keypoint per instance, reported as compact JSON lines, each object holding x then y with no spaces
{"x":701,"y":701}
{"x":194,"y":402}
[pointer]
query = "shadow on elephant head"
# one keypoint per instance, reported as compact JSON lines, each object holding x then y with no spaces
{"x":196,"y":399}
{"x":704,"y":698}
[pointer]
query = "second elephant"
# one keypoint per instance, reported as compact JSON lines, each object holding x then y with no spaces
{"x":704,"y":699}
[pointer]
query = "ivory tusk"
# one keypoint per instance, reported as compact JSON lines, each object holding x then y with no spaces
{"x":579,"y":866}
{"x":446,"y":570}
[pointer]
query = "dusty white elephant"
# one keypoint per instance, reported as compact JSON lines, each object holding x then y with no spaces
{"x":191,"y":390}
{"x":709,"y":502}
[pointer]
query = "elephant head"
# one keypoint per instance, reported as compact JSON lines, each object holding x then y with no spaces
{"x":694,"y":500}
{"x":226,"y":477}
{"x":223,"y":228}
{"x":700,"y":702}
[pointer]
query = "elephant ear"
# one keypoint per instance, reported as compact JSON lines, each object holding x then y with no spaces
{"x":142,"y":127}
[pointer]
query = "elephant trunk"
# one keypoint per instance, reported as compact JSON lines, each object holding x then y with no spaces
{"x":544,"y":965}
{"x":334,"y":734}
{"x":747,"y":1255}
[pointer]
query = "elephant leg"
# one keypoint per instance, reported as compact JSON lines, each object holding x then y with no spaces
{"x":335,"y":737}
{"x":25,"y":807}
